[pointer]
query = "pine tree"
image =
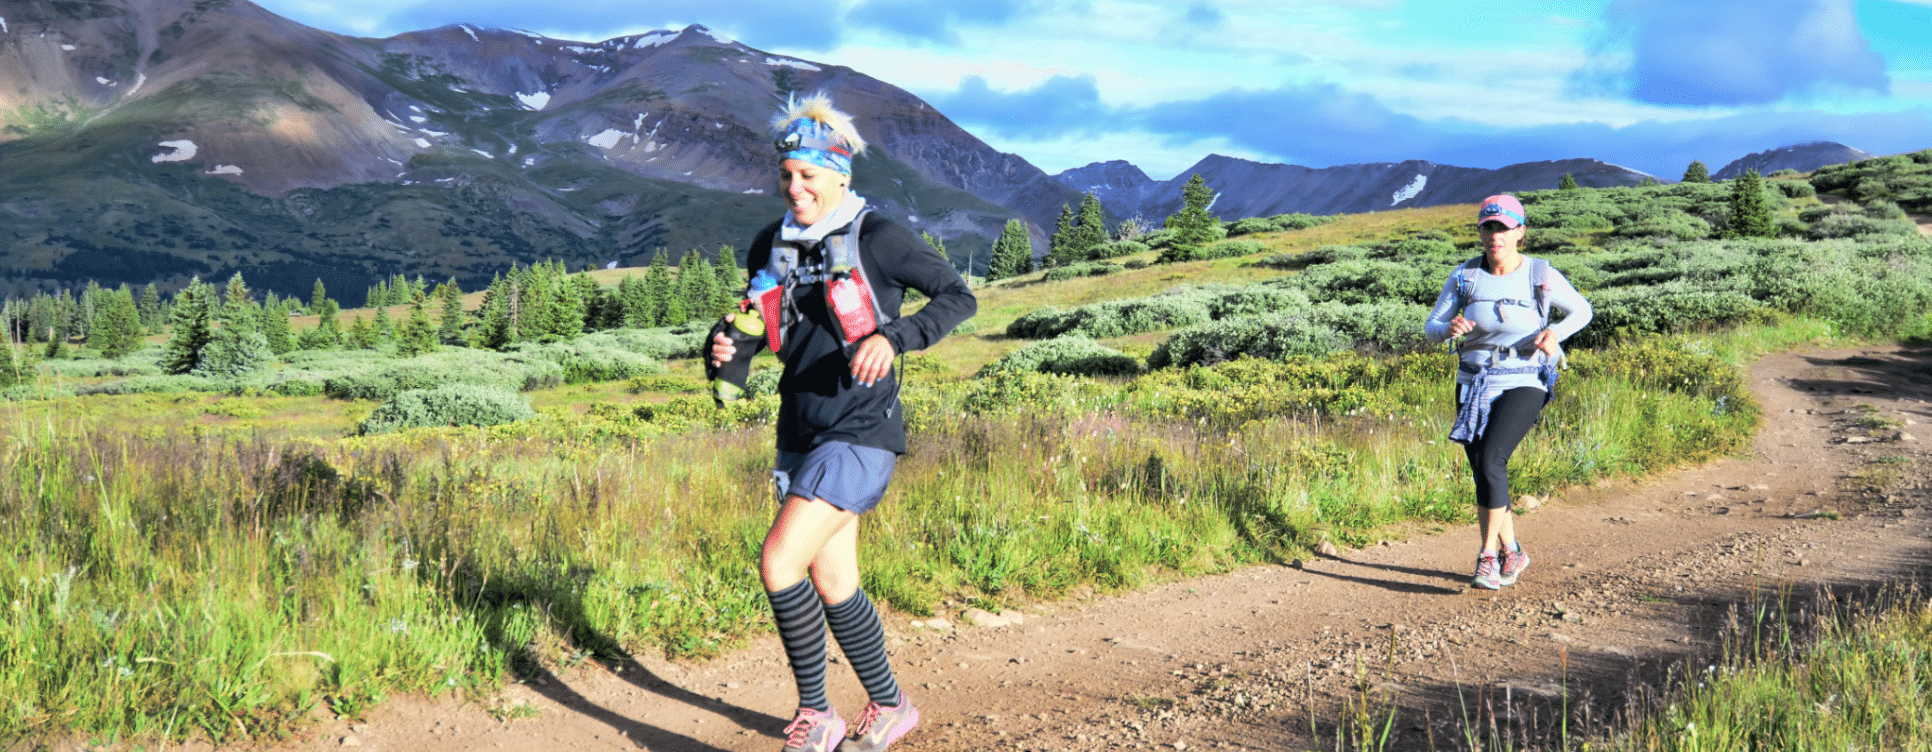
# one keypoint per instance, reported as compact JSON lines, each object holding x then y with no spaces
{"x":275,"y":327}
{"x":150,"y":308}
{"x":191,"y":322}
{"x":1750,"y":210}
{"x":385,"y":329}
{"x":1060,"y":245}
{"x":496,"y":331}
{"x":16,"y":365}
{"x":568,"y":306}
{"x":117,"y":324}
{"x":1697,"y":173}
{"x":1091,"y":230}
{"x":1568,"y":183}
{"x":417,"y":335}
{"x":631,"y":298}
{"x":1012,"y":252}
{"x":731,"y":282}
{"x":41,"y":316}
{"x":697,"y":287}
{"x":1193,"y":226}
{"x":1647,"y":182}
{"x":659,"y":287}
{"x":449,"y":297}
{"x":362,"y":336}
{"x":236,"y":347}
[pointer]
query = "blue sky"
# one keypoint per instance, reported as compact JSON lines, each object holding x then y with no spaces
{"x":1647,"y":84}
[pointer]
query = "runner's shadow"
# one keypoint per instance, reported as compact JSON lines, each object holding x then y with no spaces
{"x":544,"y":682}
{"x":1392,"y":585}
{"x":555,"y":594}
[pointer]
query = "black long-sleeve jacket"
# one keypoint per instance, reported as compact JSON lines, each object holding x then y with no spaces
{"x":820,"y":402}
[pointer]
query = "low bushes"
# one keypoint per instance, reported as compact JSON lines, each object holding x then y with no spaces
{"x":1080,"y":269}
{"x":1072,"y":354}
{"x":447,"y":405}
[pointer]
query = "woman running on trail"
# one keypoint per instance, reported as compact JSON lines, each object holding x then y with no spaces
{"x":828,"y":280}
{"x":1508,"y":369}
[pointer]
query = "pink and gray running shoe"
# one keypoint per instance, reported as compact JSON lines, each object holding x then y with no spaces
{"x":1514,"y":562}
{"x":1487,"y":577}
{"x":814,"y":731}
{"x":881,"y":725}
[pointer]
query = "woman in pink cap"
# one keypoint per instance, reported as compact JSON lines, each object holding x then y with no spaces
{"x":1499,"y":304}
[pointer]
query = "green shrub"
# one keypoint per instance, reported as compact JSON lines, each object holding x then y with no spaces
{"x":1858,"y":226}
{"x":1372,"y":281}
{"x":1237,"y":391}
{"x":158,"y":385}
{"x":1251,"y":226}
{"x":1080,"y":269}
{"x":585,"y":360}
{"x":1667,"y":225}
{"x":1299,"y":221}
{"x":511,"y":371}
{"x":1795,"y":188}
{"x":1025,"y":391}
{"x":1267,"y":337}
{"x":1385,"y":326}
{"x":1255,"y":300}
{"x":447,"y":405}
{"x":1679,"y":305}
{"x":1112,"y":318}
{"x":1073,"y":355}
{"x":1116,"y":249}
{"x":1230,"y":249}
{"x":1883,"y":209}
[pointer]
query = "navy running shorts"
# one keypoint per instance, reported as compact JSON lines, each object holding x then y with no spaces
{"x":847,"y":476}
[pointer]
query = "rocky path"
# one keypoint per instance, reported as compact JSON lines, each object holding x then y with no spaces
{"x":1627,"y":580}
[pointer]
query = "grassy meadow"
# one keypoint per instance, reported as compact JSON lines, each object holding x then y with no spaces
{"x":226,"y":561}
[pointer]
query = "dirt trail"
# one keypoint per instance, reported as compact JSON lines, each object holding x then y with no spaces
{"x":1626,"y":578}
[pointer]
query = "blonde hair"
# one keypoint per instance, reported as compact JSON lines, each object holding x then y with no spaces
{"x":818,"y":108}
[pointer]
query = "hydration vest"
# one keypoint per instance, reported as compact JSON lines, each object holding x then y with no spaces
{"x":1539,"y":272}
{"x":848,"y":294}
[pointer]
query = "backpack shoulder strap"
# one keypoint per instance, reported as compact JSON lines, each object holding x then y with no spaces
{"x":1461,"y":275}
{"x":1540,"y":274}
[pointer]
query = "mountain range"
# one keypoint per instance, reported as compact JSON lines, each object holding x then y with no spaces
{"x":152,"y":140}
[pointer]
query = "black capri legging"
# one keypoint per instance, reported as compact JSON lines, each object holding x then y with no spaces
{"x":1510,"y":419}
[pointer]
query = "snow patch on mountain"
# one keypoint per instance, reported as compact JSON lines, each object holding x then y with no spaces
{"x":472,"y":32}
{"x":3,"y":24}
{"x":226,"y":169}
{"x":422,"y":143}
{"x":535,"y":101}
{"x":178,"y":151}
{"x":654,"y":39}
{"x":1413,"y":189}
{"x":608,"y":139}
{"x":799,"y":64}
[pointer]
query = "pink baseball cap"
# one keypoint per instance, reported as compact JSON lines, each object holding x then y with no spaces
{"x":1502,"y":208}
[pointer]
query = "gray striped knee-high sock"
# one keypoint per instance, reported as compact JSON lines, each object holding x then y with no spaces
{"x":801,"y":627}
{"x":862,"y":637}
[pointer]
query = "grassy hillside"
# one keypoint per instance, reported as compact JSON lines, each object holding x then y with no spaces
{"x":1183,"y":418}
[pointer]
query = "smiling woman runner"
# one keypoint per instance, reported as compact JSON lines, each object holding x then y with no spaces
{"x":829,"y":279}
{"x":1507,"y":369}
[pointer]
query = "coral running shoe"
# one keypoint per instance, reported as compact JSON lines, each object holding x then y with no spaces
{"x":881,"y":725}
{"x":1514,"y":562}
{"x":1487,"y":575}
{"x":814,"y":731}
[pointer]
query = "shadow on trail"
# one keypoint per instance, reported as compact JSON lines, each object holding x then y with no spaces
{"x":1906,"y":373}
{"x":1398,"y":586}
{"x":494,"y":598}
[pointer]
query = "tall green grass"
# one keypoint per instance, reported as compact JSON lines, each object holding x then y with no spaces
{"x":227,"y":581}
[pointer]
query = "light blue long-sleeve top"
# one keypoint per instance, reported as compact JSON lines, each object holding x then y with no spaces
{"x":1503,"y":310}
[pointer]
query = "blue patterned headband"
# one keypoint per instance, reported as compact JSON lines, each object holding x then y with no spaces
{"x":812,"y":141}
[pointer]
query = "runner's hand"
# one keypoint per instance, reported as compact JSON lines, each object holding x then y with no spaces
{"x":873,"y":360}
{"x":1546,"y":341}
{"x":721,"y":347}
{"x":1459,"y":326}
